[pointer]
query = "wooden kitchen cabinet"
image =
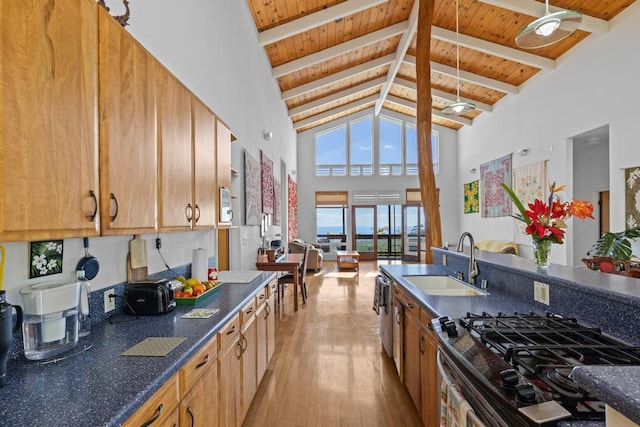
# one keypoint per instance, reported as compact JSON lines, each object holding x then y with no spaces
{"x":229,"y":379}
{"x":175,"y":197}
{"x":411,"y":349}
{"x":199,"y":407}
{"x":270,"y":309}
{"x":430,"y":389}
{"x":161,"y":409}
{"x":224,"y":137}
{"x":128,"y":139}
{"x":248,"y":361}
{"x":262,"y":323}
{"x":398,"y":331}
{"x":205,"y":182}
{"x":48,"y":120}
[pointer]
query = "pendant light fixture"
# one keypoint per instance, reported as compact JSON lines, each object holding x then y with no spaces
{"x":458,"y":107}
{"x":549,"y":29}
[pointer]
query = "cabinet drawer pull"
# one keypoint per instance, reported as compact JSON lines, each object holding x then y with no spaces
{"x":115,"y":201}
{"x":262,"y":296}
{"x":154,"y":418}
{"x":411,"y":306}
{"x":233,"y":330}
{"x":204,"y":362}
{"x":92,"y":216}
{"x":193,"y":418}
{"x":249,"y":311}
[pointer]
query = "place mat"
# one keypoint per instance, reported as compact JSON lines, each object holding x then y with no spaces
{"x":154,"y":346}
{"x":200,"y":313}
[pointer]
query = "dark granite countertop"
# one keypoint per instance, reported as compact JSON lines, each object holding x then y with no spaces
{"x":601,"y":294}
{"x":99,"y":387}
{"x":616,"y":385}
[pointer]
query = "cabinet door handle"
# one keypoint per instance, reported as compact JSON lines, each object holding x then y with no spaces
{"x":154,"y":418}
{"x":398,"y":317}
{"x":115,"y":201}
{"x":188,"y":212}
{"x":193,"y":418}
{"x":267,"y":310}
{"x":239,"y":347}
{"x":204,"y":362}
{"x":420,"y":345}
{"x":197,"y":213}
{"x":92,"y":216}
{"x":245,"y":343}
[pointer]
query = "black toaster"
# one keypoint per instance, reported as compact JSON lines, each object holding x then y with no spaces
{"x":148,"y":297}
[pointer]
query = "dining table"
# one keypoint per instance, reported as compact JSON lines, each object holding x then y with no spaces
{"x":290,"y":263}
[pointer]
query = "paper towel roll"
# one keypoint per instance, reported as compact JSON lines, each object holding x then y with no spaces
{"x":200,"y":264}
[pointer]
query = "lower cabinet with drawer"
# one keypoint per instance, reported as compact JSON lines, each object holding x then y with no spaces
{"x":199,"y":388}
{"x":161,"y":409}
{"x":229,"y":381}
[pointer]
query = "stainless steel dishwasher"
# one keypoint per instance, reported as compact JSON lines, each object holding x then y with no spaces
{"x":386,"y":315}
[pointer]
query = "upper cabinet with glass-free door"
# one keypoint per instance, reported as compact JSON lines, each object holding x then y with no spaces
{"x":175,"y":209}
{"x":48,"y":119}
{"x":223,"y":142}
{"x":128,"y":153}
{"x":205,"y":189}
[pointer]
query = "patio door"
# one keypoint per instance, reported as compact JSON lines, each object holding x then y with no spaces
{"x":364,"y":228}
{"x":413,"y":232}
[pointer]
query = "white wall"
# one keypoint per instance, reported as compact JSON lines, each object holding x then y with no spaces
{"x":308,"y":183}
{"x":594,"y":86}
{"x":211,"y":46}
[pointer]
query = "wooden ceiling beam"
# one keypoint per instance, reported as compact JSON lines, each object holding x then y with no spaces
{"x":335,"y":111}
{"x":401,"y":51}
{"x":468,"y":77}
{"x":537,"y":9}
{"x":339,"y":49}
{"x":315,"y":20}
{"x":495,"y":49}
{"x":444,"y":95}
{"x":392,"y":99}
{"x":337,"y":77}
{"x":336,"y":96}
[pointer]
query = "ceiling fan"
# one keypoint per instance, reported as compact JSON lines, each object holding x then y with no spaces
{"x":549,"y":29}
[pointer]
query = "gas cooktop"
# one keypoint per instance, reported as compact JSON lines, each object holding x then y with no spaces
{"x":523,"y":360}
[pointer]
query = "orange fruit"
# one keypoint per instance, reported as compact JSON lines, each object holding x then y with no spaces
{"x":199,"y":287}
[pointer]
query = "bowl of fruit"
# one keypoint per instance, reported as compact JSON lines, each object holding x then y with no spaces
{"x":193,"y":290}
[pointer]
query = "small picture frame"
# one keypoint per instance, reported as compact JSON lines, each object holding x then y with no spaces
{"x":45,"y":258}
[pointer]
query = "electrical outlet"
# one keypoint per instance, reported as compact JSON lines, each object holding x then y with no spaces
{"x":541,"y":292}
{"x":109,"y":303}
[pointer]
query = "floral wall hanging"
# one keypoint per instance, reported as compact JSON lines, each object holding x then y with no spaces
{"x":471,"y":203}
{"x":293,"y":208}
{"x":632,"y":197}
{"x":45,"y":258}
{"x":277,"y":206}
{"x":493,"y":200}
{"x":252,"y":201}
{"x":529,"y":184}
{"x":267,"y":184}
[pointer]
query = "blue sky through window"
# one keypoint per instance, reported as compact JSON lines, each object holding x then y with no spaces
{"x":331,"y":147}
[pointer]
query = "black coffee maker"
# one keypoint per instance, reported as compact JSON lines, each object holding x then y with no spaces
{"x":6,"y":332}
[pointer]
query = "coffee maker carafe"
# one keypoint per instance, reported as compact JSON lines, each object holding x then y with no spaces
{"x":50,"y":325}
{"x":6,"y":332}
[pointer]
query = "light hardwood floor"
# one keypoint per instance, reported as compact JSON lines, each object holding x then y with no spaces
{"x":329,"y":368}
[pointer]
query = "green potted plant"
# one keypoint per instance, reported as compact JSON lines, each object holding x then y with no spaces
{"x":612,"y":252}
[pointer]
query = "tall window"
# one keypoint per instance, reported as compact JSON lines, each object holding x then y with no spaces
{"x":331,"y":220}
{"x":390,"y":146}
{"x":331,"y":152}
{"x":361,"y":146}
{"x":411,"y":149}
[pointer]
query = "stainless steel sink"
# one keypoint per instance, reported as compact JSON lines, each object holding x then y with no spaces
{"x":443,"y":285}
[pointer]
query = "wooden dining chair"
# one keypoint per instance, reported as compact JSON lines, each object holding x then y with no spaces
{"x":288,"y":278}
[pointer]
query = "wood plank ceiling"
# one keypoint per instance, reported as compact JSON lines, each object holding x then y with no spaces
{"x":332,"y":58}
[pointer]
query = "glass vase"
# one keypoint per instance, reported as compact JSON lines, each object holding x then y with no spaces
{"x":542,"y":253}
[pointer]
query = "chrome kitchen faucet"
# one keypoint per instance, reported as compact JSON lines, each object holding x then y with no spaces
{"x":473,"y":267}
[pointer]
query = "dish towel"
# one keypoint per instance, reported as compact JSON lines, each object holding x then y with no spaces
{"x":377,"y":297}
{"x":454,"y":407}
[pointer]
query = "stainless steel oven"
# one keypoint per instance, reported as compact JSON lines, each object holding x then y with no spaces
{"x":383,"y":288}
{"x":515,"y":370}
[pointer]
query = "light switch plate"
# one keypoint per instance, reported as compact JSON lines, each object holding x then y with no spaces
{"x":541,"y":292}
